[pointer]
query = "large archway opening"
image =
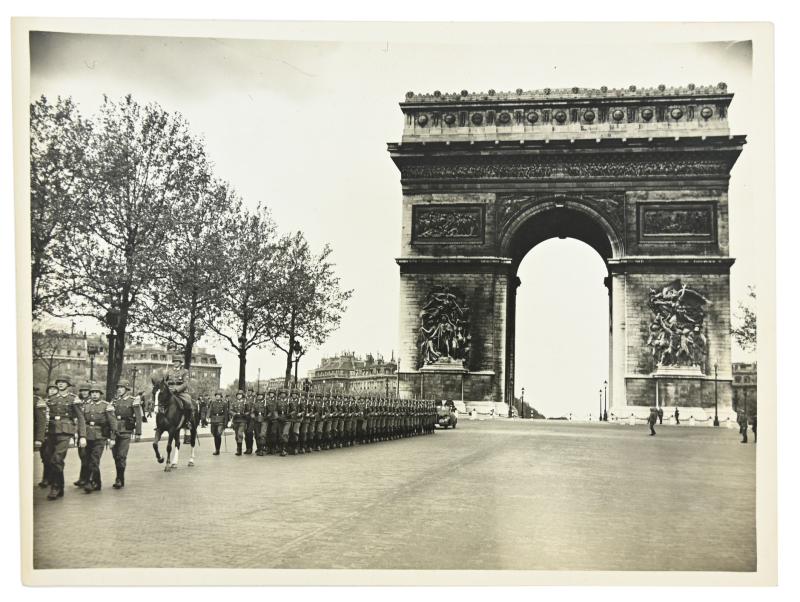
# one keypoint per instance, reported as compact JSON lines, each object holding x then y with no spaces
{"x":562,"y":329}
{"x":559,"y":311}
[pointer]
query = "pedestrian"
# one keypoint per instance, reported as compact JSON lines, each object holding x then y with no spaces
{"x":217,"y":416}
{"x":651,"y":421}
{"x":239,"y":417}
{"x":741,"y":418}
{"x":660,"y":416}
{"x":101,"y":426}
{"x":754,"y":424}
{"x":83,"y":397}
{"x":65,"y":421}
{"x":677,"y":416}
{"x":129,"y":414}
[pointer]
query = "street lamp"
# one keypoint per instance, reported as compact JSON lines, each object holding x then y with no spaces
{"x":605,"y":401}
{"x":135,"y":371}
{"x":716,"y":415}
{"x":600,"y":398}
{"x":522,"y":402}
{"x":92,"y":351}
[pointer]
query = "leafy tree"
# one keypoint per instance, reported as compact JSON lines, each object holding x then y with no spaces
{"x":744,"y":332}
{"x":58,"y":154}
{"x":310,"y":301}
{"x":247,"y":299}
{"x":145,"y":162}
{"x":187,"y":295}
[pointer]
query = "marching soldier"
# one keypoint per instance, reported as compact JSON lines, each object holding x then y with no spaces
{"x":319,"y":422}
{"x":101,"y":425}
{"x":83,"y":397}
{"x":325,"y":417}
{"x":741,"y":418}
{"x":258,"y":421}
{"x":285,"y":411}
{"x":305,"y":421}
{"x":217,"y":415}
{"x":239,"y":415}
{"x":65,"y":421}
{"x":249,"y":431}
{"x":39,"y":430}
{"x":128,"y":412}
{"x":296,"y":415}
{"x":272,"y":424}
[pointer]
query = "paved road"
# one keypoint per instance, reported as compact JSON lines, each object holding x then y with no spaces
{"x":488,"y":495}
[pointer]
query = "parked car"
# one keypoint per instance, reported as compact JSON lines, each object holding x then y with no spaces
{"x":447,"y":415}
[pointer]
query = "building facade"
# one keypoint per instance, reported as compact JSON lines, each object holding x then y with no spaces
{"x":84,"y":356}
{"x":349,"y":374}
{"x":745,"y":387}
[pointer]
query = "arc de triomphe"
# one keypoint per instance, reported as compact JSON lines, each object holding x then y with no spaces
{"x":641,"y":175}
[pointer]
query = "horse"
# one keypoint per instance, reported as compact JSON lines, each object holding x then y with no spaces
{"x":170,"y":419}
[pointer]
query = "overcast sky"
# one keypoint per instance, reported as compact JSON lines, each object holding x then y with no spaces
{"x":303,"y":127}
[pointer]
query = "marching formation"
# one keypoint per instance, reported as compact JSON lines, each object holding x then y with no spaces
{"x":281,"y":422}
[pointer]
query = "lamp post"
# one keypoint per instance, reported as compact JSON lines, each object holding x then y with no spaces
{"x":600,"y":399}
{"x":605,"y":401}
{"x":716,"y":415}
{"x":135,"y":372}
{"x":522,"y":402}
{"x":92,"y":351}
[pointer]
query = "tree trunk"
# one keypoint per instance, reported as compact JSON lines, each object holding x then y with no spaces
{"x":287,"y":378}
{"x":187,"y":350}
{"x":242,"y":369}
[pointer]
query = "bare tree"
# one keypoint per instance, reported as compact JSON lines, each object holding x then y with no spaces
{"x":49,"y":348}
{"x":744,"y":332}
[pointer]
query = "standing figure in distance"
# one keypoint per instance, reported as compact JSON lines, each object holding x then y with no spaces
{"x":128,"y":409}
{"x":101,"y":426}
{"x":40,"y":431}
{"x":754,"y":425}
{"x":651,"y":420}
{"x":741,"y":418}
{"x":677,"y":416}
{"x":660,"y":415}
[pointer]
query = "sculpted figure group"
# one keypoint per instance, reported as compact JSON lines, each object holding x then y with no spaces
{"x":676,"y":336}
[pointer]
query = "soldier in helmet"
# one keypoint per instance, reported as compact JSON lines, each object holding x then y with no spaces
{"x":258,"y":421}
{"x":305,"y":421}
{"x":217,"y":415}
{"x":65,"y":421}
{"x":83,"y":397}
{"x":128,"y":408}
{"x":249,"y":431}
{"x":296,"y":416}
{"x":40,"y":430}
{"x":285,"y":410}
{"x":239,"y":415}
{"x":101,"y":425}
{"x":272,"y":426}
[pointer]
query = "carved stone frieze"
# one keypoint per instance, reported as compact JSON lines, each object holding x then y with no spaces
{"x":697,"y":164}
{"x":447,"y":223}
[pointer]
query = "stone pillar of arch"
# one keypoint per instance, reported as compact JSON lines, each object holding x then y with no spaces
{"x":639,"y":175}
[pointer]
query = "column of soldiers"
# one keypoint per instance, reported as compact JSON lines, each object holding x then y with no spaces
{"x":92,"y":423}
{"x":298,"y":422}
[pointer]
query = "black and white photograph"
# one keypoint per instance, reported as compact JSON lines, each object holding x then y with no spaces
{"x":367,"y":299}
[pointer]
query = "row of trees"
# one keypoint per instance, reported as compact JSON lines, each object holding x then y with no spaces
{"x":129,"y":226}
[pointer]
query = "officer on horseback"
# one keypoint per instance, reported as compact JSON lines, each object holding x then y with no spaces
{"x":178,"y":382}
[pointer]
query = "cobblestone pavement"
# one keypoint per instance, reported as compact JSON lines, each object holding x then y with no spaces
{"x":488,"y":495}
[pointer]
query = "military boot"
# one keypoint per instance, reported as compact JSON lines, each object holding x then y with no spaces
{"x":79,"y":483}
{"x":43,"y":484}
{"x":55,"y":493}
{"x":238,"y":449}
{"x":283,"y":449}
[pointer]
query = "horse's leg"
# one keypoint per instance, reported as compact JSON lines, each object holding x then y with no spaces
{"x":177,"y":449}
{"x":193,"y":441}
{"x":168,"y":466}
{"x":156,"y":441}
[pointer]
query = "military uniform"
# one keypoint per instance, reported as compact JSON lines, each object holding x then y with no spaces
{"x":178,"y":381}
{"x":239,"y":415}
{"x":319,"y":422}
{"x":40,"y":434}
{"x":101,"y":424}
{"x":741,"y":418}
{"x":285,"y":410}
{"x":128,"y":409}
{"x":249,"y":431}
{"x":306,"y":422}
{"x":258,"y":420}
{"x":296,"y":415}
{"x":65,"y":421}
{"x":651,"y":420}
{"x":216,"y":414}
{"x":83,"y":397}
{"x":272,"y":425}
